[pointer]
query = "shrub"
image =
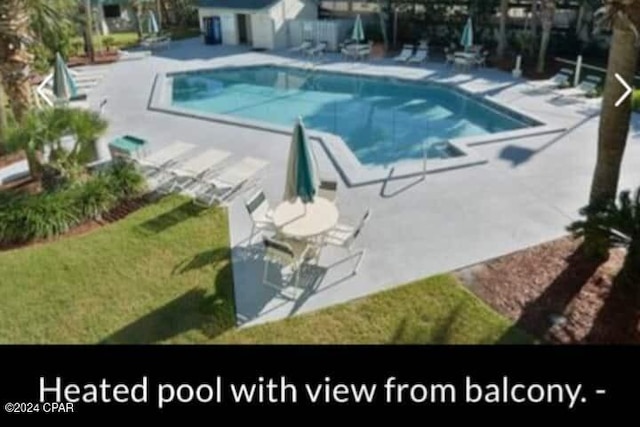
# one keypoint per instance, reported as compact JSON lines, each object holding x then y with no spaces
{"x":28,"y":217}
{"x":95,"y":198}
{"x":125,"y":181}
{"x":108,"y":42}
{"x":635,"y":100}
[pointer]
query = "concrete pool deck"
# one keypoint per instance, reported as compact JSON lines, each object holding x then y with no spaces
{"x":527,"y":192}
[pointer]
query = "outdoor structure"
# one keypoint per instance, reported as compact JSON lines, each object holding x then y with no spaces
{"x":261,"y":24}
{"x":114,"y":16}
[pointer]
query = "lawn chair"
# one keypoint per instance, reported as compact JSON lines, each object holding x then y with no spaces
{"x":163,"y":158}
{"x":261,"y":214}
{"x":561,"y":79}
{"x":304,"y":46}
{"x":407,"y":52}
{"x":421,"y":56}
{"x":189,"y":171}
{"x":328,"y":190}
{"x":289,"y":255}
{"x":481,"y":59}
{"x":318,"y":50}
{"x":587,"y":88}
{"x":221,"y":187}
{"x":450,"y":57}
{"x":364,"y":51}
{"x":344,"y":236}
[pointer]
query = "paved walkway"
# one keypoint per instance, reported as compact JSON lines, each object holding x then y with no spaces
{"x":527,"y":193}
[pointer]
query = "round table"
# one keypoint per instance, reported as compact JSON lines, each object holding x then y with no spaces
{"x":305,"y":220}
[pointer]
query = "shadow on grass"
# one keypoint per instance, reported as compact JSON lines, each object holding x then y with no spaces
{"x":536,"y":318}
{"x":210,"y":257}
{"x":422,"y":331}
{"x":173,"y":217}
{"x":196,"y":309}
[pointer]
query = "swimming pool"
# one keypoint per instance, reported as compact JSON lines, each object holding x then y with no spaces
{"x":381,"y":120}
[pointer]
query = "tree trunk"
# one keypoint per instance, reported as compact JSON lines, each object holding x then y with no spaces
{"x":546,"y":18}
{"x":383,"y":26}
{"x":89,"y":48}
{"x":630,"y":272}
{"x":138,"y":13}
{"x":502,"y":42}
{"x":4,"y":121}
{"x":614,"y":121}
{"x":15,"y":61}
{"x":34,"y":161}
{"x":535,"y":17}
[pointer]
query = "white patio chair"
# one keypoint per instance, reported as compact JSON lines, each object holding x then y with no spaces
{"x":188,"y":171}
{"x":421,"y":56}
{"x":407,"y":52}
{"x":344,"y":236}
{"x":290,"y":255}
{"x":364,"y":51}
{"x":481,"y":59}
{"x":305,"y":45}
{"x":328,"y":189}
{"x":219,"y":188}
{"x":261,"y":214}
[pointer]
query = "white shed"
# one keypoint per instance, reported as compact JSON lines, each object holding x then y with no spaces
{"x":261,"y":24}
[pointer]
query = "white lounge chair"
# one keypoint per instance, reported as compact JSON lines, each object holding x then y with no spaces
{"x":407,"y":52}
{"x":165,"y":157}
{"x":588,"y":87}
{"x":190,"y":170}
{"x":363,"y":51}
{"x":421,"y":56}
{"x":221,"y":187}
{"x":306,"y":45}
{"x":561,"y":79}
{"x":319,"y":49}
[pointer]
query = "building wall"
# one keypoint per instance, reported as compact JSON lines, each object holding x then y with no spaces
{"x":286,"y":10}
{"x":262,"y":31}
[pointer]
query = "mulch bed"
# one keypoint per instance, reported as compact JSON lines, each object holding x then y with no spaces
{"x":100,"y":58}
{"x":556,"y":293}
{"x":122,"y":211}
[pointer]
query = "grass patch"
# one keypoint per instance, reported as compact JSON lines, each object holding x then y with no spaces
{"x":437,"y":310}
{"x":163,"y":275}
{"x":127,"y":282}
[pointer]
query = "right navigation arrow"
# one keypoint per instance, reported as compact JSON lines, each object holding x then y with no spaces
{"x":626,"y":94}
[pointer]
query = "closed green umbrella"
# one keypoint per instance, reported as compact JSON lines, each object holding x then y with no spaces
{"x":154,"y":28}
{"x":302,"y":175}
{"x":358,"y":31}
{"x":467,"y":35}
{"x":64,"y":86}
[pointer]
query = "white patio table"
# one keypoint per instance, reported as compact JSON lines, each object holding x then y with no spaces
{"x":305,"y":220}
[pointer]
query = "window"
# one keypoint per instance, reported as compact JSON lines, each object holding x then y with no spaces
{"x":111,"y":10}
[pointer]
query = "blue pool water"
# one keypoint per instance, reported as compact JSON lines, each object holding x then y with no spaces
{"x":381,"y":120}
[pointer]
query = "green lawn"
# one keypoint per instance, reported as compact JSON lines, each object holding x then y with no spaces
{"x":163,"y":275}
{"x":130,"y":39}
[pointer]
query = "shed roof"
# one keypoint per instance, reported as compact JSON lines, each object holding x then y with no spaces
{"x":237,"y":4}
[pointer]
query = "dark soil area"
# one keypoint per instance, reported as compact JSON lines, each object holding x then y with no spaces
{"x":558,"y":294}
{"x":100,"y":58}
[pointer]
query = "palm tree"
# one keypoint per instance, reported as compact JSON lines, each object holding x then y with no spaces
{"x":15,"y":60}
{"x":90,"y":49}
{"x":547,"y":14}
{"x":383,"y":24}
{"x":4,"y":120}
{"x":619,"y":225}
{"x":624,"y":17}
{"x":502,"y":38}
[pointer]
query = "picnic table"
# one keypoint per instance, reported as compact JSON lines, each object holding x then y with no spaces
{"x":305,"y":220}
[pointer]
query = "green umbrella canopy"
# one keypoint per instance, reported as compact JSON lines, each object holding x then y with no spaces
{"x":467,"y":35}
{"x":302,"y":176}
{"x":358,"y":31}
{"x":64,"y":86}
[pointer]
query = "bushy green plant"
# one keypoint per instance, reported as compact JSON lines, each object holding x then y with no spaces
{"x":27,"y":217}
{"x":635,"y":100}
{"x":95,"y":198}
{"x":125,"y":181}
{"x":108,"y":42}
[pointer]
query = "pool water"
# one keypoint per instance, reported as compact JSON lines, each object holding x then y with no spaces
{"x":381,"y":120}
